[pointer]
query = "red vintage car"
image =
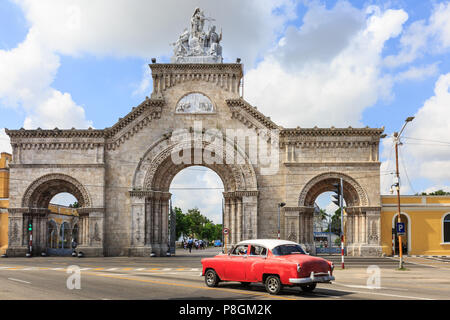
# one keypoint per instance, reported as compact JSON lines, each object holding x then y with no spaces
{"x":275,"y":263}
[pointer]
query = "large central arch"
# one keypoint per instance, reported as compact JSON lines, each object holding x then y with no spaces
{"x":154,"y":174}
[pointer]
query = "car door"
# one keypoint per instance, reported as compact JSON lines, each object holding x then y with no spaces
{"x":254,"y":264}
{"x":235,"y":266}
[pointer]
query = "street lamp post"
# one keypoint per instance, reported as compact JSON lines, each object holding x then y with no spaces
{"x":281,"y":204}
{"x":397,"y":184}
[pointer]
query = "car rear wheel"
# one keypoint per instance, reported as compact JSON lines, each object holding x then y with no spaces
{"x":211,"y":278}
{"x":273,"y":284}
{"x":308,"y":287}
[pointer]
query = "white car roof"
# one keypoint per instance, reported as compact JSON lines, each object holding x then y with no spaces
{"x":268,"y":243}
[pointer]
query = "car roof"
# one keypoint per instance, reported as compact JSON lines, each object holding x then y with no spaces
{"x":268,"y":243}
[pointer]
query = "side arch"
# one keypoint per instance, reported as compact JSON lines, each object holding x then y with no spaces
{"x":43,"y":189}
{"x":354,"y":194}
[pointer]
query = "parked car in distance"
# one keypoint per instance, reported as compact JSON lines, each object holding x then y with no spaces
{"x":217,"y":243}
{"x":275,"y":263}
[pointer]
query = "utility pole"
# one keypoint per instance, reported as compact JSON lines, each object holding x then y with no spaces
{"x":397,"y":185}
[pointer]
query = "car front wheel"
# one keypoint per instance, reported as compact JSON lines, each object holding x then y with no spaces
{"x":273,"y":284}
{"x":211,"y":278}
{"x":308,"y":287}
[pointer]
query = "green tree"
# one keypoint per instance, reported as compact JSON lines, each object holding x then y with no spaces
{"x":336,"y":222}
{"x":439,"y":192}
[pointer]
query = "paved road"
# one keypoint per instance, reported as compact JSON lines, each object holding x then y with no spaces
{"x":179,"y":277}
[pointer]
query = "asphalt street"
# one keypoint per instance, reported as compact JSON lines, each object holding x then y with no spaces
{"x":178,"y":277}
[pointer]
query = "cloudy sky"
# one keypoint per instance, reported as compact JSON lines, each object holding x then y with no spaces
{"x":82,"y":63}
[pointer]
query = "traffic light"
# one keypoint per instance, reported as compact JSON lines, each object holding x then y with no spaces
{"x":338,"y":194}
{"x":30,"y":227}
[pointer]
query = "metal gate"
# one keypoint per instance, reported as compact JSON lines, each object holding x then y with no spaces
{"x":61,"y":239}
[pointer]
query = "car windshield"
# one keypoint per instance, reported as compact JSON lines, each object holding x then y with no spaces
{"x":286,"y":249}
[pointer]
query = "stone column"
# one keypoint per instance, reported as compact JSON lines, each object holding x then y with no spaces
{"x":227,"y":218}
{"x":250,"y":212}
{"x":292,"y":224}
{"x":164,"y":244}
{"x":92,"y":230}
{"x":238,"y":219}
{"x":16,"y":225}
{"x":156,"y":218}
{"x":233,"y":221}
{"x":138,"y":224}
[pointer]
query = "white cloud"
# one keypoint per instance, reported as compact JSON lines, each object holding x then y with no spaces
{"x":145,"y":28}
{"x":432,"y":36}
{"x":57,"y":110}
{"x":334,"y":87}
{"x":425,"y":153}
{"x":120,"y":29}
{"x":27,"y":74}
{"x":5,"y":145}
{"x":417,"y":73}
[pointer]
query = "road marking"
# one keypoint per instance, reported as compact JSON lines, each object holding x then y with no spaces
{"x":127,"y":269}
{"x":83,"y":269}
{"x":367,"y":287}
{"x":99,"y":269}
{"x":56,"y":269}
{"x":139,"y":269}
{"x":111,"y":269}
{"x":386,"y":294}
{"x":190,"y":286}
{"x":23,"y":281}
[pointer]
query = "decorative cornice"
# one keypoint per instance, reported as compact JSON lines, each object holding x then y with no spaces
{"x":87,"y":210}
{"x":55,"y":133}
{"x":360,"y":209}
{"x":160,"y":68}
{"x":225,"y":75}
{"x":241,"y":110}
{"x":56,"y":166}
{"x":375,"y":164}
{"x":240,"y":194}
{"x":150,"y":194}
{"x":135,"y":121}
{"x":328,"y":144}
{"x":293,"y":132}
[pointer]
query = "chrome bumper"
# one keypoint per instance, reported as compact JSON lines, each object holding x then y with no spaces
{"x":313,"y":278}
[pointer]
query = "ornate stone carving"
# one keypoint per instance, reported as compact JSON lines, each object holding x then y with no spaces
{"x":359,"y":193}
{"x":196,"y":45}
{"x":195,"y":102}
{"x":31,"y":196}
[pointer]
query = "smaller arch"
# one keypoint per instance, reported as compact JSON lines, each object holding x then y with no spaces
{"x":43,"y":189}
{"x":445,"y":223}
{"x":354,"y":194}
{"x":408,"y":227}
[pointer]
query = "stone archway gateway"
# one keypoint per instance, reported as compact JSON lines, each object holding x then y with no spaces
{"x":195,"y":116}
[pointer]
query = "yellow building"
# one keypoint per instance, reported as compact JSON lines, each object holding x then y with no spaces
{"x":5,"y":158}
{"x":427,"y":222}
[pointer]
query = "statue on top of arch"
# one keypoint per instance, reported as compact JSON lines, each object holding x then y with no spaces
{"x":196,"y":45}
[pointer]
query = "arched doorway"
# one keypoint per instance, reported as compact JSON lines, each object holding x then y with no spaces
{"x":197,"y":197}
{"x":52,"y":222}
{"x":406,"y":239}
{"x":150,"y":195}
{"x":357,"y":214}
